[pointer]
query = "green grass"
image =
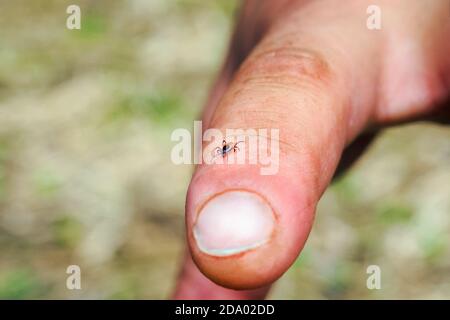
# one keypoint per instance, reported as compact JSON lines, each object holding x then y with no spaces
{"x":4,"y":153}
{"x":93,"y":26}
{"x":19,"y":284}
{"x":158,"y":108}
{"x":394,"y":213}
{"x":338,"y":282}
{"x":46,"y":182}
{"x":434,"y":247}
{"x":67,"y":231}
{"x":346,"y":188}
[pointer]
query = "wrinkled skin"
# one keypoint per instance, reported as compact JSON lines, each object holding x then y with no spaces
{"x":313,"y":69}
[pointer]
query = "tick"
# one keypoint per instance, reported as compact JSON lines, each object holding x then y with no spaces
{"x":226,"y":148}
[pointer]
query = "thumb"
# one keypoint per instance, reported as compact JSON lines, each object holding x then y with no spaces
{"x":245,"y":228}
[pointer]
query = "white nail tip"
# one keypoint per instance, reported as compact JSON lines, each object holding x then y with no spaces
{"x":233,"y":222}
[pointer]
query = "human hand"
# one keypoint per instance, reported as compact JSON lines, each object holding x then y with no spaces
{"x":315,"y":71}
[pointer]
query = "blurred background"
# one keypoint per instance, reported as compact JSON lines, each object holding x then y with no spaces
{"x":86,"y":177}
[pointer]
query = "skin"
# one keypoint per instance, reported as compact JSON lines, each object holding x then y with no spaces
{"x":314,"y":70}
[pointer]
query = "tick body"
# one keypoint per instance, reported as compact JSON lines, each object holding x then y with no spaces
{"x":226,"y":148}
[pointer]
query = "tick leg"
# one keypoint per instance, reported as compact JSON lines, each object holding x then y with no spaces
{"x":217,"y":152}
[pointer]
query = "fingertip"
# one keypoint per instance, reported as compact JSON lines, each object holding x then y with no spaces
{"x":245,"y":230}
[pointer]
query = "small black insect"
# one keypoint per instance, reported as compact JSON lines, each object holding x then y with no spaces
{"x":226,"y":148}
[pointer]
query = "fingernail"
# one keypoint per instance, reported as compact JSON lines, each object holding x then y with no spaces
{"x":233,"y":222}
